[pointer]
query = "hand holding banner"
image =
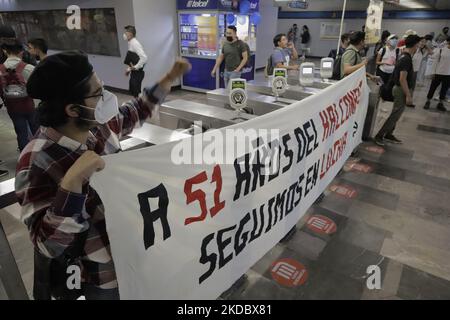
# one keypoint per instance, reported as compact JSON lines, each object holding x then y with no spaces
{"x":189,"y":231}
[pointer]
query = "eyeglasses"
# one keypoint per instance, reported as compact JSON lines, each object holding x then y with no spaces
{"x":102,"y":94}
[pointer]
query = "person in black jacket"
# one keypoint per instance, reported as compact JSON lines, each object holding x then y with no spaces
{"x":306,"y":39}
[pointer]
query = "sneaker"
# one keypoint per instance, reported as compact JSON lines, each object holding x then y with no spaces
{"x":441,"y":107}
{"x":392,"y":139}
{"x":379,"y":141}
{"x":427,"y":105}
{"x":411,"y":105}
{"x":3,"y":173}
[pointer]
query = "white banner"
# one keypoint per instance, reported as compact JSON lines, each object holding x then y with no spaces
{"x":189,"y":231}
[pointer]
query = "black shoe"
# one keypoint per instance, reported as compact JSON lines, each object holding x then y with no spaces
{"x":441,"y":107}
{"x":3,"y":173}
{"x":379,"y":141}
{"x":427,"y":105}
{"x":1,"y":162}
{"x":411,"y":105}
{"x":390,"y":138}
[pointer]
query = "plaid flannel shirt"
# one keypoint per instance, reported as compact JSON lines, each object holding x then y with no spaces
{"x":55,"y":217}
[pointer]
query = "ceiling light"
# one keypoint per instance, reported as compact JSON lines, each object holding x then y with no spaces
{"x":410,"y":4}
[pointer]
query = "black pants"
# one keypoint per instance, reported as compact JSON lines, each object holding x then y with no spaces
{"x":384,"y":76}
{"x":437,"y":80}
{"x":136,"y":79}
{"x":25,"y":125}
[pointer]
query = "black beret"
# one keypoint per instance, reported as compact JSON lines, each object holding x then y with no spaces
{"x":57,"y":76}
{"x":412,"y":40}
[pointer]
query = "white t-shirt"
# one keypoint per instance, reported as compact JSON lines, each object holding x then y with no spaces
{"x":443,"y":61}
{"x":135,"y":46}
{"x":417,"y":60}
{"x":389,"y":57}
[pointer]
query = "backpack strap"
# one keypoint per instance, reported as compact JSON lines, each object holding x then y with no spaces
{"x":440,"y":56}
{"x":20,"y":67}
{"x":356,"y":54}
{"x":19,"y":71}
{"x":383,"y":53}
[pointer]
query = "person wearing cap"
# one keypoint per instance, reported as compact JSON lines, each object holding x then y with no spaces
{"x":81,"y":121}
{"x":401,"y":43}
{"x":441,"y":77}
{"x":403,"y":81}
{"x":387,"y":58}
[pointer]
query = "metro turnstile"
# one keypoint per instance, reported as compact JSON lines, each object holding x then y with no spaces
{"x":318,"y":83}
{"x":293,"y":92}
{"x":259,"y":104}
{"x":178,"y":114}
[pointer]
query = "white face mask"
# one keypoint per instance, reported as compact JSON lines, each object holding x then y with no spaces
{"x":125,"y":37}
{"x":107,"y":108}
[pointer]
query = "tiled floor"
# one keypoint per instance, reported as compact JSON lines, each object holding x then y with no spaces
{"x":398,"y":218}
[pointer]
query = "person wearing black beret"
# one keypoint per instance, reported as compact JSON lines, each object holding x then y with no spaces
{"x":81,"y":121}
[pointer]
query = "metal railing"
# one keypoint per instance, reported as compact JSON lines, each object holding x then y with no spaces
{"x":11,"y":282}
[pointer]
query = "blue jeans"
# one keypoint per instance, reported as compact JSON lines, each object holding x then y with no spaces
{"x":25,"y":126}
{"x":228,"y":75}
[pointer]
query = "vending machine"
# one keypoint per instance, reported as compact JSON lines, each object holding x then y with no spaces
{"x":202,"y":25}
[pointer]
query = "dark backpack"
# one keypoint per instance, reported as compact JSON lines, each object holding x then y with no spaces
{"x":306,"y":36}
{"x":269,"y":66}
{"x":337,"y":66}
{"x":14,"y":89}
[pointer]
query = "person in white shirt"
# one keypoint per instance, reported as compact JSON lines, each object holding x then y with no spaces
{"x":417,"y":64}
{"x":426,"y":51}
{"x":14,"y":74}
{"x":387,"y":58}
{"x":442,"y":76}
{"x":136,"y":71}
